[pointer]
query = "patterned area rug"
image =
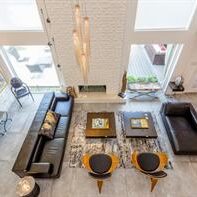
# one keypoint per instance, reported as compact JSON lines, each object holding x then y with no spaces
{"x":120,"y":146}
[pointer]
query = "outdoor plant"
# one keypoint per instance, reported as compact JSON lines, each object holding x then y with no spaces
{"x":149,"y":79}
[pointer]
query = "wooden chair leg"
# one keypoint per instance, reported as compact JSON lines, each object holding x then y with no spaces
{"x":99,"y":184}
{"x":153,"y":183}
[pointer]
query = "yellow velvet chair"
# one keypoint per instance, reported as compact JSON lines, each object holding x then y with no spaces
{"x":151,"y":164}
{"x":100,"y":166}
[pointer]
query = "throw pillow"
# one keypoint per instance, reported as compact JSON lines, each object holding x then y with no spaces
{"x":49,"y":124}
{"x":52,"y":117}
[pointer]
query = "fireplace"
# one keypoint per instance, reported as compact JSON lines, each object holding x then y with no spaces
{"x":92,"y":88}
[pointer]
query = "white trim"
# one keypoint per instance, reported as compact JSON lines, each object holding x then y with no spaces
{"x":172,"y":66}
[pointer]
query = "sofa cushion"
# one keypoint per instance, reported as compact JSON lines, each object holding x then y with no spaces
{"x":38,"y":149}
{"x":53,"y":153}
{"x":183,"y":136}
{"x":62,"y":128}
{"x":100,"y":163}
{"x":148,"y":161}
{"x":37,"y":122}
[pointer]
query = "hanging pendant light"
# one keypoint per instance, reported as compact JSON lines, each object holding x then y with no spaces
{"x":81,"y":41}
{"x":85,"y":51}
{"x":84,"y":68}
{"x":77,"y":47}
{"x":78,"y":22}
{"x":87,"y":34}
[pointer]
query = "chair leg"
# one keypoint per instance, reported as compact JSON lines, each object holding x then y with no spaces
{"x":153,"y":183}
{"x":32,"y":96}
{"x":99,"y":184}
{"x":19,"y":102}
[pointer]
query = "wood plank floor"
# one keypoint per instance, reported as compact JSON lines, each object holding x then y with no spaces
{"x":75,"y":182}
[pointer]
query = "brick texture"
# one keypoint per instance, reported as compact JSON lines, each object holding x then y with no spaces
{"x":107,"y":32}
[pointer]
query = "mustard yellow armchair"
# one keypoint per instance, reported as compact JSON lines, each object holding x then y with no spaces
{"x":100,"y":166}
{"x":151,"y":164}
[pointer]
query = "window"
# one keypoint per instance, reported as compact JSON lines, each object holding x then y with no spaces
{"x":164,"y":14}
{"x":148,"y":63}
{"x":32,"y":64}
{"x":19,"y":15}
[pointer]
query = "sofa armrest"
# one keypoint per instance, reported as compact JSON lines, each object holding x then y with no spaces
{"x":64,"y":97}
{"x":40,"y":168}
{"x":176,"y":108}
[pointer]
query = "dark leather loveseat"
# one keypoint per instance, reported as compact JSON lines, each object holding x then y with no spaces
{"x":180,"y":120}
{"x":39,"y":156}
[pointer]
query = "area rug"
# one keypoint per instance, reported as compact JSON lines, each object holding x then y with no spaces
{"x":120,"y":146}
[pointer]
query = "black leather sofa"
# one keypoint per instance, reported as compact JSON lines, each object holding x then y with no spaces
{"x":39,"y":156}
{"x":180,"y":120}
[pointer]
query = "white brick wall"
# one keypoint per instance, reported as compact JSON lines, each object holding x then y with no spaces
{"x":107,"y":32}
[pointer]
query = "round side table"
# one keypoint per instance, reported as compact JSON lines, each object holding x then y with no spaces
{"x":27,"y":187}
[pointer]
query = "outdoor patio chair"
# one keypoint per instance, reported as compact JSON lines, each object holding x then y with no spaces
{"x":19,"y":89}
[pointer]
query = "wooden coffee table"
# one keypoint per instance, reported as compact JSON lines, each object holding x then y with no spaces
{"x":149,"y":132}
{"x":101,"y":133}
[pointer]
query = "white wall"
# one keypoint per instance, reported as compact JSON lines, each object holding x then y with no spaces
{"x":107,"y":31}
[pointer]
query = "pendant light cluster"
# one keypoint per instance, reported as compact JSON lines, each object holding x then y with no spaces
{"x":81,"y":41}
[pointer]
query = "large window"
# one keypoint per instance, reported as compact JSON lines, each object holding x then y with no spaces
{"x":164,"y":14}
{"x":32,"y":64}
{"x":19,"y":15}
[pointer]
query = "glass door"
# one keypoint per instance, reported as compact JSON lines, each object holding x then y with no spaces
{"x":32,"y":64}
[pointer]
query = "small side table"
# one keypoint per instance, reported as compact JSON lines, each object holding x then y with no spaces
{"x":176,"y":88}
{"x":3,"y":121}
{"x":27,"y":187}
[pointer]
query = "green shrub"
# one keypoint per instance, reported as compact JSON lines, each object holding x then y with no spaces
{"x":131,"y":79}
{"x":150,"y":79}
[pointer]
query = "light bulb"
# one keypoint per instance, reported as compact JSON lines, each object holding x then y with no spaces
{"x":77,"y":47}
{"x":84,"y":67}
{"x":78,"y":22}
{"x":87,"y":34}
